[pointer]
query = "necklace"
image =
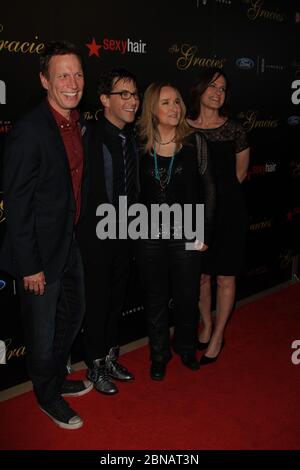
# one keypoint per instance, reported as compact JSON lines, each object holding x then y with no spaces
{"x":165,"y":143}
{"x":163,"y":180}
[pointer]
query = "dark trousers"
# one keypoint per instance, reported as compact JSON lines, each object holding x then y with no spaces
{"x":106,"y":283}
{"x":51,"y":323}
{"x":162,"y":261}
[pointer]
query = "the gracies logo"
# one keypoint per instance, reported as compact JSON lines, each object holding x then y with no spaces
{"x":259,"y":225}
{"x":190,"y":56}
{"x":251,"y":120}
{"x":257,"y":11}
{"x":23,"y":47}
{"x":13,"y":351}
{"x":122,"y":46}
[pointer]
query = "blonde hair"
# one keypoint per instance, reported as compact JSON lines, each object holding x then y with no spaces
{"x":148,"y":122}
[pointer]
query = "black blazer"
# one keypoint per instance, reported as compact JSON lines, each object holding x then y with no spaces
{"x":104,"y":141}
{"x":38,"y":197}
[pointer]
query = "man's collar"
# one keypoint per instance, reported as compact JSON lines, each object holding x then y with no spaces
{"x":61,"y":120}
{"x":112,"y":129}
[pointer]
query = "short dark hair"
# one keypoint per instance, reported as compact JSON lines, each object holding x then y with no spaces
{"x":56,"y":48}
{"x":200,"y":85}
{"x":108,"y":79}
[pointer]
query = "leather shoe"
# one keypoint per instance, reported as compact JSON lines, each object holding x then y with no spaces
{"x":119,"y":372}
{"x":114,"y":368}
{"x":158,"y":370}
{"x":99,"y":375}
{"x":201,"y":346}
{"x":190,"y":361}
{"x":210,"y":360}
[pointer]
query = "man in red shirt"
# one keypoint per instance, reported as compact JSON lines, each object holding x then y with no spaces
{"x":43,"y":185}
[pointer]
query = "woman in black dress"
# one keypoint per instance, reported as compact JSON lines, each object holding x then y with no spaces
{"x":229,"y":151}
{"x":173,"y":171}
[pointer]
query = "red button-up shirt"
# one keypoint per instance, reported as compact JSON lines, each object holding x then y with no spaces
{"x":70,"y":132}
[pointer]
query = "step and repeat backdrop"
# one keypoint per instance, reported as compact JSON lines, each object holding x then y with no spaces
{"x":257,"y":43}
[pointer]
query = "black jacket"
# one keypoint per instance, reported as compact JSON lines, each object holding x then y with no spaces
{"x":38,"y":197}
{"x":101,"y":165}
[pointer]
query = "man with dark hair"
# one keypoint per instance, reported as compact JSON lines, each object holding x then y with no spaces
{"x":113,"y":173}
{"x":43,"y":185}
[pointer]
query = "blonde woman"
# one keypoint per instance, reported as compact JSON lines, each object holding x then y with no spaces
{"x":173,"y":169}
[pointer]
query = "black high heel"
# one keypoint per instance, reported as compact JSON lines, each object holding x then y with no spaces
{"x":210,"y":360}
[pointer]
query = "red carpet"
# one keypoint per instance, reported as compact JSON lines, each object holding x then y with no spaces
{"x":248,"y":399}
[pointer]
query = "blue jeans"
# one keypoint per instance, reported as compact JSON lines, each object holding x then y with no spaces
{"x":51,"y":323}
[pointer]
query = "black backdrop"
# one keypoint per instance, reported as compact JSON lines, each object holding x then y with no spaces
{"x":257,"y":42}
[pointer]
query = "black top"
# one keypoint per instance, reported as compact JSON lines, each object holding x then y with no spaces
{"x":227,"y":253}
{"x":232,"y":136}
{"x":186,"y":186}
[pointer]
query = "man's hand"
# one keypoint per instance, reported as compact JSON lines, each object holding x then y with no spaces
{"x":35,"y":283}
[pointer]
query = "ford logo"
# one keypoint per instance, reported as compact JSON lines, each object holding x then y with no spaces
{"x":293,"y":120}
{"x":2,"y":284}
{"x":244,"y":63}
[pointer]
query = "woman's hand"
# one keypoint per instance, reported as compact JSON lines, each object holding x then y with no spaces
{"x":200,"y":246}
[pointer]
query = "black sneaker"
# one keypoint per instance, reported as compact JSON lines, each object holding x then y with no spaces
{"x":114,"y":368}
{"x":62,"y":415}
{"x":76,"y":388}
{"x":117,"y":371}
{"x":100,"y":377}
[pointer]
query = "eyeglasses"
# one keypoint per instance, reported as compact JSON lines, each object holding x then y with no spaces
{"x":125,"y":94}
